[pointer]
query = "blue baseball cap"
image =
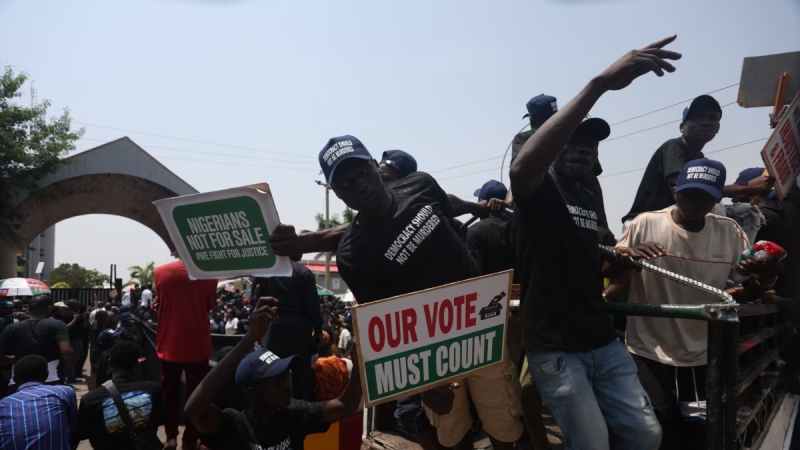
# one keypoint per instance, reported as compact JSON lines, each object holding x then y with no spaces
{"x":338,"y":149}
{"x":540,"y":108}
{"x":400,"y":160}
{"x":492,"y":189}
{"x":748,"y":175}
{"x":704,"y":174}
{"x":259,"y":365}
{"x":701,"y":103}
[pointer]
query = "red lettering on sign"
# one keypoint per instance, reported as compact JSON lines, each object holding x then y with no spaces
{"x":376,"y":341}
{"x":409,"y":325}
{"x":446,"y":308}
{"x":430,"y":319}
{"x":458,"y":302}
{"x":470,"y":316}
{"x":393,"y":339}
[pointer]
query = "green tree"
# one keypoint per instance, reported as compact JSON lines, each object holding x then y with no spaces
{"x":142,"y":274}
{"x":347,"y":217}
{"x":31,"y":145}
{"x":76,"y":276}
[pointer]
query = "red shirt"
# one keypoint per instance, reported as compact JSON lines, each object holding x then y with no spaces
{"x":183,"y":307}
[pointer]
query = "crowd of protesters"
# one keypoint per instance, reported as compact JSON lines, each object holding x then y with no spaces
{"x":291,"y":372}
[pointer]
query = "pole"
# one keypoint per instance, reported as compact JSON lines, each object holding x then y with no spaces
{"x":327,"y":224}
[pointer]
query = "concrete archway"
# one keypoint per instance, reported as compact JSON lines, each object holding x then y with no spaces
{"x":118,"y":178}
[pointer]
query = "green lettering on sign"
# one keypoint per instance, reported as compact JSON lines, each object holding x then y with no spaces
{"x":427,"y":365}
{"x":227,"y":234}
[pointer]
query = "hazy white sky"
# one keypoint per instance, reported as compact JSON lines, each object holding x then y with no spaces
{"x":255,"y":88}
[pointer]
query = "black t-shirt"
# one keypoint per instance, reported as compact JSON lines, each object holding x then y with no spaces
{"x":489,"y":242}
{"x":414,"y":249}
{"x":100,"y":422}
{"x":558,"y":260}
{"x":654,"y":192}
{"x":286,"y":430}
{"x":297,"y":294}
{"x":34,"y":336}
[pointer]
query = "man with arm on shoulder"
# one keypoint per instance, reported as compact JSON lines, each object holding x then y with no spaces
{"x":583,"y":373}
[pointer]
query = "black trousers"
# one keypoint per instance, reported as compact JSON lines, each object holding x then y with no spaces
{"x":667,"y":386}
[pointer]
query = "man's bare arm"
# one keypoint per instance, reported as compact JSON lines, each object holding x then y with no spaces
{"x":286,"y":242}
{"x":200,"y":408}
{"x":544,"y":146}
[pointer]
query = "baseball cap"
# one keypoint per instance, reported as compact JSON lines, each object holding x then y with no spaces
{"x":747,"y":175}
{"x":541,"y":107}
{"x":704,"y":174}
{"x":400,"y":160}
{"x":491,"y":189}
{"x":338,"y":149}
{"x":702,"y":103}
{"x":259,"y":365}
{"x":594,"y":128}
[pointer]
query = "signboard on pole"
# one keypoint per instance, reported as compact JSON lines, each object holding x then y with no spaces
{"x":224,"y":234}
{"x":413,"y":342}
{"x":760,"y":75}
{"x":782,"y":153}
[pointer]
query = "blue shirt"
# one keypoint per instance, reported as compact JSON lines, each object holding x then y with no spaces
{"x":38,"y":416}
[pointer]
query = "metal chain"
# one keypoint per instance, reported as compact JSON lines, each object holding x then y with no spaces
{"x":687,"y":281}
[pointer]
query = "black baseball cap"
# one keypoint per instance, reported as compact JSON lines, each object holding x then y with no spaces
{"x":338,"y":149}
{"x":260,"y":365}
{"x":701,"y":103}
{"x":540,"y":108}
{"x":403,"y":162}
{"x":593,"y":128}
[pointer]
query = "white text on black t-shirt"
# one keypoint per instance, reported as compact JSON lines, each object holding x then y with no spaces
{"x":412,"y":235}
{"x":583,"y":218}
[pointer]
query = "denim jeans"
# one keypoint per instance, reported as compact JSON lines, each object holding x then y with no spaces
{"x":595,"y":396}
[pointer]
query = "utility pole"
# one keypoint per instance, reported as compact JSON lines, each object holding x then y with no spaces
{"x":326,"y":225}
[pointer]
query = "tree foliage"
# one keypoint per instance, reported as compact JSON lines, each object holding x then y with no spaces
{"x":76,"y":276}
{"x":31,"y":145}
{"x":347,"y":217}
{"x":142,"y":274}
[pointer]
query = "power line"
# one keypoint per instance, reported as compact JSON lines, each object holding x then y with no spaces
{"x":469,"y":163}
{"x":672,"y":105}
{"x":468,"y":174}
{"x":181,"y":138}
{"x":200,"y":152}
{"x":710,"y":152}
{"x":614,"y":138}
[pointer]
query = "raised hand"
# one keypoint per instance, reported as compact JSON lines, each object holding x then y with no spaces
{"x":635,"y":63}
{"x":265,"y":312}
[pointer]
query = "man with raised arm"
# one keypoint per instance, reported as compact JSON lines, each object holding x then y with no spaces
{"x":580,"y":368}
{"x":272,"y":419}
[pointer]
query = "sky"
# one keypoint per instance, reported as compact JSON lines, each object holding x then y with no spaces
{"x":228,"y":93}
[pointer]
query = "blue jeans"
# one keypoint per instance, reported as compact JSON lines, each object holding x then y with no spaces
{"x":594,"y":395}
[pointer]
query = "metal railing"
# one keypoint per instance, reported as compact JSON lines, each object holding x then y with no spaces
{"x":743,"y":381}
{"x":86,"y":296}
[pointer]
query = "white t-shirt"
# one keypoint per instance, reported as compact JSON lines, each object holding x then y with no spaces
{"x":709,"y":255}
{"x":232,"y":326}
{"x":147,"y":298}
{"x":344,"y":338}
